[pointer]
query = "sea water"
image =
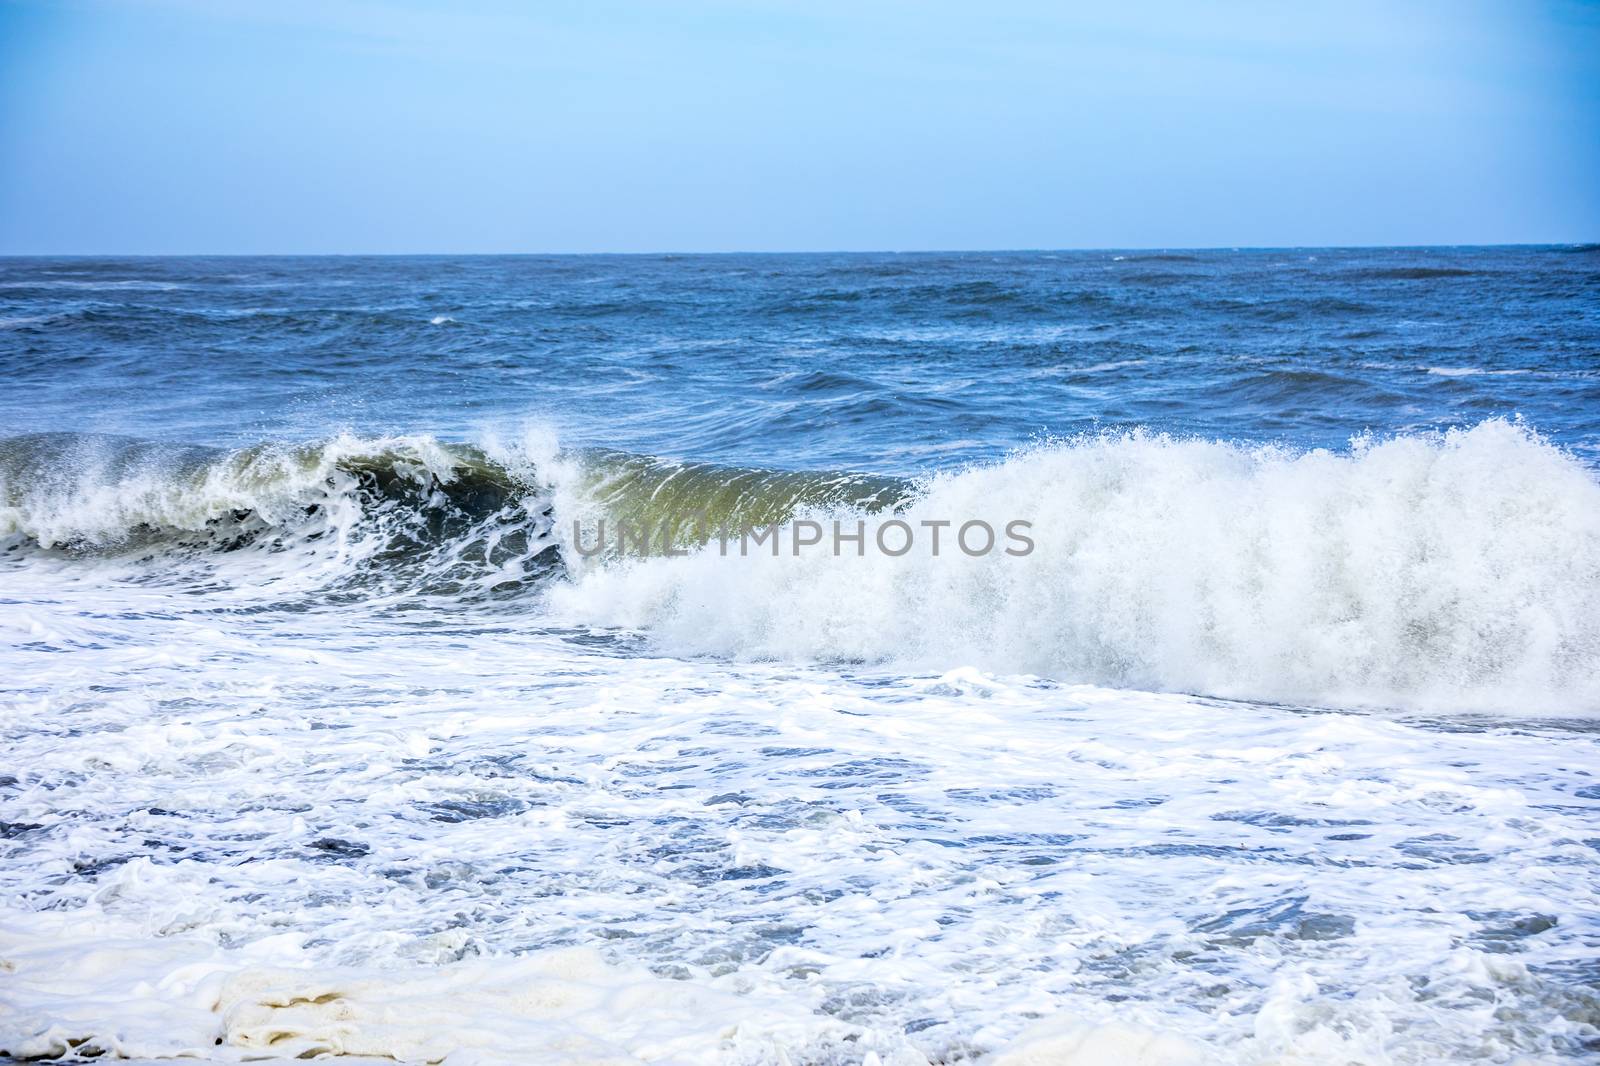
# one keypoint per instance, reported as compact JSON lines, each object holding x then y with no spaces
{"x":323,"y":735}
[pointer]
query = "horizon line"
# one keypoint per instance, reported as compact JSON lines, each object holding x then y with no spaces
{"x":1577,"y":244}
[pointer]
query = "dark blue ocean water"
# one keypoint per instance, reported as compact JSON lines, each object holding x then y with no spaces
{"x":887,"y":362}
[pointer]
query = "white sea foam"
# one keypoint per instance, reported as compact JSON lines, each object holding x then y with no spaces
{"x":1470,"y":371}
{"x":345,"y":829}
{"x":1459,"y":571}
{"x":92,"y":987}
{"x":98,"y":285}
{"x":95,"y":491}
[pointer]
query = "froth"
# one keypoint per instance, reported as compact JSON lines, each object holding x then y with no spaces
{"x":1459,"y":570}
{"x":89,"y":491}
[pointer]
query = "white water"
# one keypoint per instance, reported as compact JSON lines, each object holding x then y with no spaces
{"x":1451,"y":572}
{"x":1454,"y":572}
{"x":853,"y":855}
{"x":244,"y":818}
{"x":101,"y":491}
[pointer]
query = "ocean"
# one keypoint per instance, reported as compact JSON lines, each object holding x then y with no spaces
{"x":341,"y":716}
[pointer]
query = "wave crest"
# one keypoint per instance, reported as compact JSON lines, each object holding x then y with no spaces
{"x":396,"y":510}
{"x":1459,"y":570}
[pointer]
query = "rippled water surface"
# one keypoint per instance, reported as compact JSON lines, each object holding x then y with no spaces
{"x":885,"y":362}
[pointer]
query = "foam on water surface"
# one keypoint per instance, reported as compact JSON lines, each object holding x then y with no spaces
{"x":291,"y":830}
{"x":1454,"y":572}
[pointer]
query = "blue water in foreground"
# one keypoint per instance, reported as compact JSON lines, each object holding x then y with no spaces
{"x":323,"y":736}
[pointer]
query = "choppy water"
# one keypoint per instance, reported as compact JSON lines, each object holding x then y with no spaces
{"x":321,"y":733}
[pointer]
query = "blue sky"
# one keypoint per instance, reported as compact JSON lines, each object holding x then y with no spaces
{"x":394,"y":126}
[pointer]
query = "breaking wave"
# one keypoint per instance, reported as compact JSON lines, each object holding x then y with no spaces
{"x":1451,"y":571}
{"x":409,"y":513}
{"x":406,"y":512}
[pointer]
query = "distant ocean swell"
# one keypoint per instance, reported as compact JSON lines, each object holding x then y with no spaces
{"x":1455,"y":571}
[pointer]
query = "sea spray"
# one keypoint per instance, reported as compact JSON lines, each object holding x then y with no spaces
{"x":1453,"y":571}
{"x":1459,"y":570}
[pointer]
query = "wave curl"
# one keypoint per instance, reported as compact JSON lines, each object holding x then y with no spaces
{"x":1446,"y":571}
